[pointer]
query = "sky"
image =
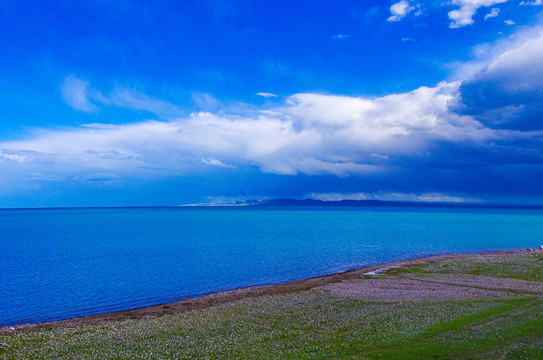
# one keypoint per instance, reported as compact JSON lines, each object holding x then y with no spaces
{"x":138,"y":103}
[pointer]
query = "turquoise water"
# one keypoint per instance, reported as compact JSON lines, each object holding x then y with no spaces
{"x":61,"y":263}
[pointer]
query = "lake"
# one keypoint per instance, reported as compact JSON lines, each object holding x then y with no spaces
{"x":62,"y":263}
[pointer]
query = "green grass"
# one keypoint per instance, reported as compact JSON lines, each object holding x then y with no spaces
{"x":513,"y":330}
{"x":318,"y":324}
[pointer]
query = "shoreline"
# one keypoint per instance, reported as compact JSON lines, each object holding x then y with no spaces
{"x":223,"y":297}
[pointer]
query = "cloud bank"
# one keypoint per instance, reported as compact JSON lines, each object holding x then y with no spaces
{"x":308,"y":134}
{"x":438,"y":140}
{"x":507,"y":92}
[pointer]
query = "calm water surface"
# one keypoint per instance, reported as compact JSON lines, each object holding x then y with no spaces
{"x":61,"y":263}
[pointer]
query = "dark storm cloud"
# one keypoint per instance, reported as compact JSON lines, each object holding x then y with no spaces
{"x":508,"y":92}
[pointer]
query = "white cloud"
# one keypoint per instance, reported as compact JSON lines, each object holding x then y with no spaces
{"x":309,"y":134}
{"x":400,"y":122}
{"x":205,"y":102}
{"x":532,"y":3}
{"x":340,"y":36}
{"x":426,"y":197}
{"x":16,"y":157}
{"x":339,"y":196}
{"x":523,"y":56}
{"x":399,"y":10}
{"x":75,"y":93}
{"x":487,"y":53}
{"x":493,"y":13}
{"x":265,"y":94}
{"x":216,"y":162}
{"x":80,"y":96}
{"x":395,"y":196}
{"x":129,"y":99}
{"x":509,"y":22}
{"x":464,"y":15}
{"x":99,"y":126}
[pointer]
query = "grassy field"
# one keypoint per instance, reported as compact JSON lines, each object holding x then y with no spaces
{"x":470,"y":307}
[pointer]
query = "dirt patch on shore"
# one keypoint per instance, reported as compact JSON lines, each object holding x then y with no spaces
{"x":434,"y":287}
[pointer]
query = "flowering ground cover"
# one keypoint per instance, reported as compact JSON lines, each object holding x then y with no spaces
{"x":464,"y":307}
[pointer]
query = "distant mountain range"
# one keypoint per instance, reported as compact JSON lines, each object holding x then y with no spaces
{"x":364,"y":203}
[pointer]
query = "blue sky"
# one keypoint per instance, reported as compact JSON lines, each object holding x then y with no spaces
{"x":110,"y":103}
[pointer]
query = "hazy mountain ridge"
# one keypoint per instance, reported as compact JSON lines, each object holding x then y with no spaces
{"x":286,"y":202}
